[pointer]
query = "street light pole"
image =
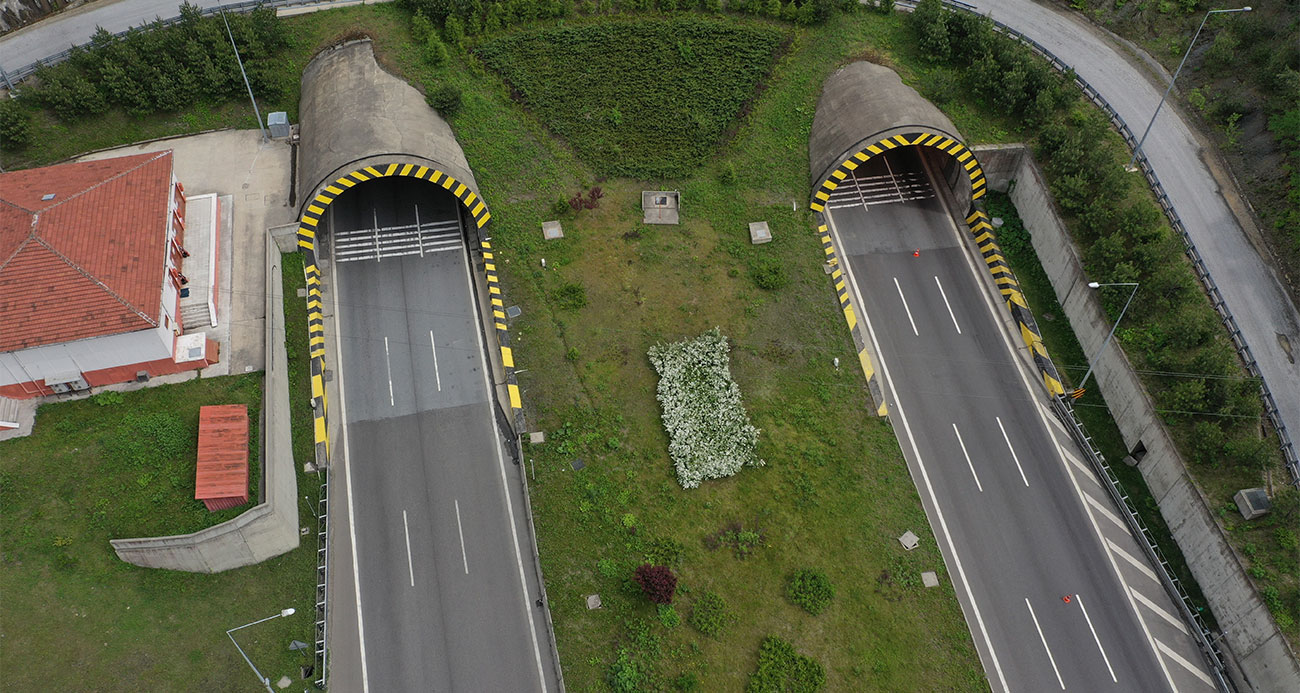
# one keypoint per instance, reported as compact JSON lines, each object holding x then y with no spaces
{"x":1093,"y":360}
{"x":261,"y":679}
{"x":1138,"y":148}
{"x":245,"y":74}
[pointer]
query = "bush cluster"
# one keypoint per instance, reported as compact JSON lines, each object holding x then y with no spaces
{"x":782,"y":670}
{"x":810,"y":589}
{"x":473,"y":17}
{"x":643,"y":98}
{"x":162,"y":69}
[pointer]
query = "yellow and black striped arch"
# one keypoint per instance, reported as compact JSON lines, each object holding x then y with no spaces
{"x":316,"y":206}
{"x":940,"y":141}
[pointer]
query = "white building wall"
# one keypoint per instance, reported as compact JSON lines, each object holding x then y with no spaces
{"x":85,"y":355}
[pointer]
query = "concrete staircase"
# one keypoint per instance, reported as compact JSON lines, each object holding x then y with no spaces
{"x":195,"y":316}
{"x":8,"y":414}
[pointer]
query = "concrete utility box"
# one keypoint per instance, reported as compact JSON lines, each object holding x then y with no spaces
{"x":660,"y":206}
{"x":759,"y":233}
{"x":278,"y":124}
{"x":1252,"y":502}
{"x":909,"y":540}
{"x":552,"y":230}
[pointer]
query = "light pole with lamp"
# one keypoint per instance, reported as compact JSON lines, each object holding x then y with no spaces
{"x":1138,"y":149}
{"x":1078,"y":391}
{"x":261,"y":679}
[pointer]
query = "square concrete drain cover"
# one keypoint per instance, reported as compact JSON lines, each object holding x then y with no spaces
{"x":552,"y":230}
{"x":909,"y":540}
{"x":759,"y":232}
{"x":929,"y":579}
{"x":536,"y":438}
{"x":513,"y":312}
{"x":593,"y":601}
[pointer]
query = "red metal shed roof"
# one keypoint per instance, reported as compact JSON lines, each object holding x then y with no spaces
{"x":223,"y":452}
{"x":89,"y":261}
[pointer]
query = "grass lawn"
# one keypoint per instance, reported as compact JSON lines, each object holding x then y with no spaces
{"x":77,"y":618}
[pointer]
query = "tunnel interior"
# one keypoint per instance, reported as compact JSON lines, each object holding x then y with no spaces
{"x":391,"y":217}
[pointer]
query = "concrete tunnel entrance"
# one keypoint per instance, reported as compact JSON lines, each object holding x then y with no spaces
{"x":367,"y":137}
{"x":866,"y":118}
{"x":864,"y":111}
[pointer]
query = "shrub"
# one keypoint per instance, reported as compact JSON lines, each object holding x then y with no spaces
{"x":687,"y":682}
{"x":445,"y":99}
{"x":435,"y":51}
{"x":930,"y":22}
{"x":15,"y":125}
{"x":709,"y":433}
{"x":769,"y":273}
{"x":453,"y":30}
{"x":668,"y":616}
{"x":727,"y":175}
{"x":810,"y":589}
{"x":626,"y":675}
{"x":657,"y":582}
{"x":108,"y":398}
{"x":782,"y":670}
{"x":421,"y":27}
{"x":571,"y":296}
{"x":709,"y":614}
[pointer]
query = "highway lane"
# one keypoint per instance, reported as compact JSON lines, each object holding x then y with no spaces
{"x":443,"y":596}
{"x":971,"y":428}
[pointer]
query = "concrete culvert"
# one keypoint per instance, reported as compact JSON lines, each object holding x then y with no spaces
{"x":866,"y":110}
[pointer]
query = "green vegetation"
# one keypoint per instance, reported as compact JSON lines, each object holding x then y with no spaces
{"x":1242,"y":82}
{"x":77,"y":617}
{"x":810,"y":589}
{"x":644,"y":98}
{"x":782,"y":670}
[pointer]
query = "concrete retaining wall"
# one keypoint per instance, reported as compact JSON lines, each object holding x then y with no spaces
{"x":269,"y":528}
{"x":1263,"y":655}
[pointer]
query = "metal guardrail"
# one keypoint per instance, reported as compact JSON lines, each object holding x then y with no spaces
{"x":12,"y":78}
{"x":322,"y":580}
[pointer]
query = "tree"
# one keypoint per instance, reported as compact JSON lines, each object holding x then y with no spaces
{"x":930,"y":23}
{"x":773,"y":9}
{"x":453,"y":30}
{"x":657,"y":581}
{"x":15,"y":124}
{"x":421,"y":27}
{"x":434,"y":50}
{"x":445,"y":99}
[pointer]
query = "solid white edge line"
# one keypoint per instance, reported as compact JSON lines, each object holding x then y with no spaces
{"x":347,"y":477}
{"x":1063,"y":457}
{"x":952,"y":315}
{"x":1096,"y":639}
{"x":970,"y":464}
{"x":501,"y":464}
{"x":388,"y":364}
{"x":925,"y":475}
{"x":461,"y":531}
{"x":410,"y":567}
{"x":436,"y":374}
{"x":1014,"y":456}
{"x":905,"y":308}
{"x":1046,"y":649}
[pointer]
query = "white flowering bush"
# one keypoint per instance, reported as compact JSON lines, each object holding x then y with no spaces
{"x":709,"y":434}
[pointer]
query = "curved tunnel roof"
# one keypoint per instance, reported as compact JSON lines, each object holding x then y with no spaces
{"x":358,"y":122}
{"x":864,"y":110}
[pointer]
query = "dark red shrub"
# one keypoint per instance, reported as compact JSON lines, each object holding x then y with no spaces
{"x":576,"y":202}
{"x":596,"y":193}
{"x":657,"y":581}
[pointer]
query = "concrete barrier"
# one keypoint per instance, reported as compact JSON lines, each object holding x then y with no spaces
{"x":269,"y":528}
{"x":1259,"y":648}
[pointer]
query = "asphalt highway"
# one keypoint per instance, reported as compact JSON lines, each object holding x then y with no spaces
{"x":1007,"y":507}
{"x":443,"y":598}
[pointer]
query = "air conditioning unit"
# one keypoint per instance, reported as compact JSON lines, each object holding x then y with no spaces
{"x":67,"y":382}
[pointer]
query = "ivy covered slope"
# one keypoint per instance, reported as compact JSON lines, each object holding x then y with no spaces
{"x":640,"y":98}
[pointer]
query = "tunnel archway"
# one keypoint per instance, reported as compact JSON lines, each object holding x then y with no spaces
{"x":864,"y":112}
{"x":360,"y":124}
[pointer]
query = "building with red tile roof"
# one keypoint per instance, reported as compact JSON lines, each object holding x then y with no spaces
{"x":90,"y":280}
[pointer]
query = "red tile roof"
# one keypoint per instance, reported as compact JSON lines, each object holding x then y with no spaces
{"x":88,"y":262}
{"x":223,"y":453}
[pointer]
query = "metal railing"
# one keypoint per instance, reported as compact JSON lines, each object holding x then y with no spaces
{"x":322,"y":579}
{"x":13,"y":77}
